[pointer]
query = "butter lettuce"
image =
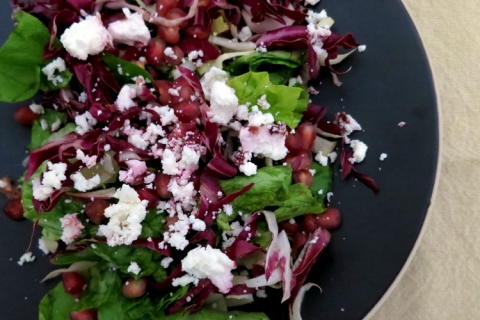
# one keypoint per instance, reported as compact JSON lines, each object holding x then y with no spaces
{"x":286,"y":103}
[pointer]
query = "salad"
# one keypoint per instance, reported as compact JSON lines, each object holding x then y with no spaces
{"x":177,"y":165}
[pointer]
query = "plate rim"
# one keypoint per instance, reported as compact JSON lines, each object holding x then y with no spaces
{"x":433,"y":196}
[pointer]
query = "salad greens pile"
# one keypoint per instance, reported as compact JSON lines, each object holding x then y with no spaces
{"x":178,"y":166}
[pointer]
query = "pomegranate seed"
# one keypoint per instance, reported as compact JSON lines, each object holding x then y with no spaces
{"x":176,"y":58}
{"x":89,"y":314}
{"x":155,"y":52}
{"x":330,"y":219}
{"x":25,"y":116}
{"x":303,"y":176}
{"x":290,"y":228}
{"x":187,"y":111}
{"x":14,"y":209}
{"x":150,"y":195}
{"x":162,"y":87}
{"x":294,"y":143}
{"x":131,"y":54}
{"x":73,"y":283}
{"x":309,"y":223}
{"x":327,"y":235}
{"x":163,"y":6}
{"x":95,"y":210}
{"x":170,"y":35}
{"x":134,"y":289}
{"x":298,"y":240}
{"x":308,"y":134}
{"x":301,"y":161}
{"x":198,"y":32}
{"x":186,"y":91}
{"x":177,"y":13}
{"x":161,"y":185}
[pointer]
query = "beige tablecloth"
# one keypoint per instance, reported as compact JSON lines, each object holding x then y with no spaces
{"x":443,"y":280}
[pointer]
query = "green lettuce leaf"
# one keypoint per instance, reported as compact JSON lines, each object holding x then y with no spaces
{"x":56,"y":304}
{"x":40,"y":136}
{"x":280,"y":64}
{"x":128,"y":69}
{"x":298,"y":202}
{"x":286,"y":103}
{"x":270,"y":185}
{"x":263,"y":236}
{"x":152,"y":225}
{"x":322,"y":180}
{"x":120,"y":256}
{"x":47,"y":85}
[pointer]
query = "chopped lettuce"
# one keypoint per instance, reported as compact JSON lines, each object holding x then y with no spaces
{"x":47,"y":85}
{"x":124,"y":71}
{"x":21,"y":59}
{"x":120,"y":256}
{"x":41,"y":136}
{"x":56,"y":304}
{"x":273,"y":189}
{"x":279,"y":64}
{"x":152,"y":225}
{"x":286,"y":103}
{"x":322,"y":180}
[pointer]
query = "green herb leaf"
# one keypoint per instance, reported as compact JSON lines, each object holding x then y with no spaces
{"x":271,"y":184}
{"x":56,"y":304}
{"x":280,"y":64}
{"x":284,"y":101}
{"x":299,"y":202}
{"x":322,"y":180}
{"x":40,"y":136}
{"x":21,"y":58}
{"x":123,"y":70}
{"x":152,"y":225}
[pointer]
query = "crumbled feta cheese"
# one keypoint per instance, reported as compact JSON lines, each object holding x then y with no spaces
{"x":36,"y":108}
{"x":49,"y":70}
{"x":26,"y":257}
{"x":329,"y":196}
{"x":213,"y":264}
{"x":262,"y":102}
{"x":401,"y":124}
{"x":315,"y":17}
{"x":134,"y":268}
{"x":261,"y":294}
{"x":167,"y":115}
{"x":383,"y":156}
{"x":166,"y":262}
{"x":248,"y":168}
{"x":245,"y":34}
{"x":213,"y":75}
{"x":149,"y":179}
{"x":228,"y":209}
{"x":262,"y":141}
{"x":130,"y":31}
{"x":136,"y":169}
{"x":89,"y":161}
{"x":333,"y":156}
{"x":44,"y":124}
{"x":80,"y":183}
{"x":125,"y":98}
{"x":87,"y":37}
{"x":242,"y":112}
{"x":362,"y":48}
{"x":359,"y":151}
{"x":107,"y":147}
{"x":47,"y":245}
{"x":85,"y":122}
{"x":170,"y":53}
{"x":125,"y":217}
{"x":323,"y":160}
{"x":184,"y":280}
{"x":72,"y":228}
{"x":56,"y":125}
{"x":256,"y":118}
{"x":183,"y":194}
{"x":197,"y":224}
{"x":348,"y":125}
{"x":173,"y":92}
{"x":3,"y":184}
{"x":82,"y":97}
{"x":195,"y":54}
{"x":169,"y":163}
{"x":55,"y":175}
{"x":223,"y":103}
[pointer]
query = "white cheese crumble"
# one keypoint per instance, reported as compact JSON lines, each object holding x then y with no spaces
{"x":83,"y":184}
{"x":36,"y":108}
{"x":262,"y":141}
{"x":359,"y":151}
{"x":126,"y":216}
{"x":44,"y":124}
{"x":134,"y":268}
{"x":166,"y":262}
{"x":52,"y":180}
{"x":82,"y":97}
{"x":85,"y":122}
{"x":383,"y":156}
{"x":256,"y":118}
{"x":89,"y":161}
{"x":125,"y":98}
{"x":167,"y":115}
{"x":72,"y":228}
{"x":87,"y":37}
{"x":49,"y":70}
{"x":47,"y":245}
{"x":228,"y":209}
{"x":248,"y":168}
{"x":25,"y":258}
{"x":323,"y":160}
{"x":223,"y":103}
{"x":170,"y":53}
{"x":362,"y":48}
{"x":213,"y":75}
{"x":245,"y":34}
{"x":209,"y":263}
{"x":131,"y":30}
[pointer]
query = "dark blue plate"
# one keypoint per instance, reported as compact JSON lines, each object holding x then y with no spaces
{"x":389,"y":83}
